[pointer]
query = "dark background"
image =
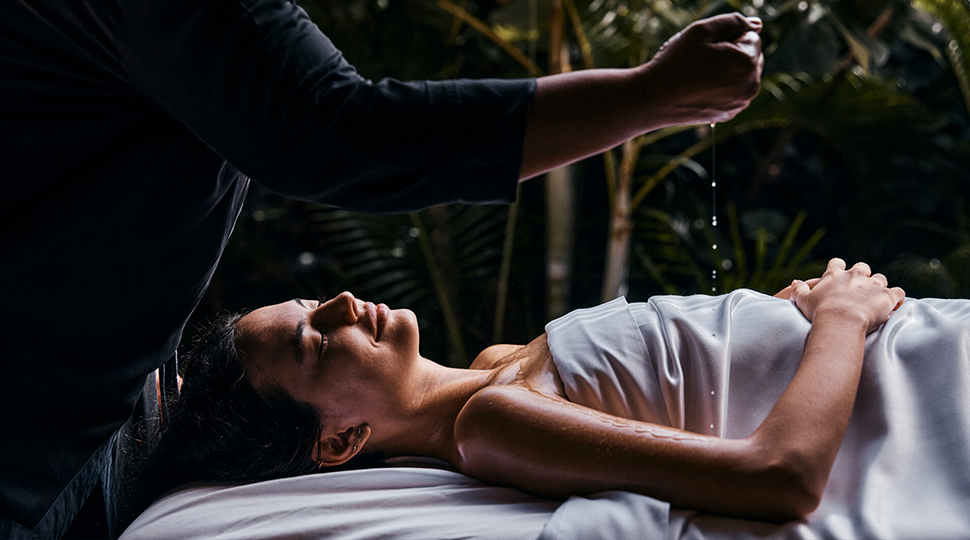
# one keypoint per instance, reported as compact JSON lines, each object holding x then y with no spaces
{"x":857,"y":147}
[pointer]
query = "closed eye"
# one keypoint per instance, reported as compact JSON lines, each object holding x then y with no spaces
{"x":324,"y":341}
{"x":324,"y":338}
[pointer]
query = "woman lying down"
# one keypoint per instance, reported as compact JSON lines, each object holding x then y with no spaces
{"x":734,"y":405}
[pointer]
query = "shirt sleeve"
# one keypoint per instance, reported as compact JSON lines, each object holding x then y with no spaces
{"x":260,"y":84}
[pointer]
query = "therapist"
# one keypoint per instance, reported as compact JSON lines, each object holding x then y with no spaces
{"x":129,"y":132}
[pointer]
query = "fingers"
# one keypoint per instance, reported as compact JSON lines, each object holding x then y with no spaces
{"x":729,"y":27}
{"x":834,"y":265}
{"x":863,"y":268}
{"x":749,"y":43}
{"x":799,"y":288}
{"x":897,"y":294}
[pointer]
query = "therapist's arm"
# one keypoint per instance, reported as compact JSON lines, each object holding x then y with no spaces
{"x":707,"y":73}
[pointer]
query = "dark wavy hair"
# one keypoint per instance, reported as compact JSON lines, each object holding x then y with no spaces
{"x":222,"y":428}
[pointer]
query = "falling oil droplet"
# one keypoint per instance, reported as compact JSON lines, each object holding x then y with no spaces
{"x":712,"y":426}
{"x":712,"y":392}
{"x":713,"y":209}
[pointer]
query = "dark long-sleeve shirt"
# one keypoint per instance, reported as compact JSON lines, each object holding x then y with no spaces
{"x":128,"y":134}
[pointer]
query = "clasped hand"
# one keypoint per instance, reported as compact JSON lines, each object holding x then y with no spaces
{"x":709,"y":71}
{"x":853,"y":293}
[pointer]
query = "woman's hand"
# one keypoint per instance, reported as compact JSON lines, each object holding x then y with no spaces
{"x":855,"y":293}
{"x":708,"y":72}
{"x":785,"y":294}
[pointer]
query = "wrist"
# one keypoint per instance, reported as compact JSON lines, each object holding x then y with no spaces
{"x":656,"y":104}
{"x":845,"y":315}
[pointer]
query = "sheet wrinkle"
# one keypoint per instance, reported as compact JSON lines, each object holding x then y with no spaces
{"x":903,"y":470}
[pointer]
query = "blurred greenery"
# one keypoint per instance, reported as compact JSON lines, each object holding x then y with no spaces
{"x":858,"y":146}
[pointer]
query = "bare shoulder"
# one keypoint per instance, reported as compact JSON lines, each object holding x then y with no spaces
{"x":488,"y":420}
{"x":491,"y":356}
{"x":529,"y":365}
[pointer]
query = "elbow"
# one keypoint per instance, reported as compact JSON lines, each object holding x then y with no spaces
{"x":783,"y":482}
{"x":795,"y":486}
{"x":799,"y":497}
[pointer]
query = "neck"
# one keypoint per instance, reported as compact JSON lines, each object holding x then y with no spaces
{"x":424,"y":423}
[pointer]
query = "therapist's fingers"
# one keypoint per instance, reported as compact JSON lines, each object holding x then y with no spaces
{"x":728,"y":27}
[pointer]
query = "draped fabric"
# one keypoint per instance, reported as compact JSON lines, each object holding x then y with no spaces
{"x":716,"y":365}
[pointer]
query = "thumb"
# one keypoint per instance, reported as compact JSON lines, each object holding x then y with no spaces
{"x":729,"y":27}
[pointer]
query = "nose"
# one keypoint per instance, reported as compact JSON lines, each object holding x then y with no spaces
{"x":342,"y":309}
{"x":348,"y":306}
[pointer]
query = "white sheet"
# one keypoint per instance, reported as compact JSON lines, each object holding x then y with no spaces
{"x":718,"y":364}
{"x":405,"y":503}
{"x":903,"y":471}
{"x":393,"y":503}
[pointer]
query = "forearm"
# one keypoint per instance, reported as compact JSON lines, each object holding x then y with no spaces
{"x":579,"y":114}
{"x":706,"y":73}
{"x":804,"y":431}
{"x":512,"y":436}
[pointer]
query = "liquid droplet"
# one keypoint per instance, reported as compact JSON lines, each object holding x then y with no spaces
{"x":712,"y":392}
{"x":713,"y":209}
{"x":712,"y":426}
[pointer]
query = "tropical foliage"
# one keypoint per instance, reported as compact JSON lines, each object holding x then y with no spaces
{"x":858,"y":146}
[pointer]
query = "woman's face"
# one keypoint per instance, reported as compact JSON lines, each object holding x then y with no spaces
{"x":344,"y":356}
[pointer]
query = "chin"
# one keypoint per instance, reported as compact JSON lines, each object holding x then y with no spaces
{"x":402,"y":326}
{"x":414,"y":331}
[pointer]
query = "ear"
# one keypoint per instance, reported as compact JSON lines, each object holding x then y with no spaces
{"x":337,"y":448}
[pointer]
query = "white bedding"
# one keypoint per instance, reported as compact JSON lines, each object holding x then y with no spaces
{"x":903,"y":470}
{"x":407,"y":503}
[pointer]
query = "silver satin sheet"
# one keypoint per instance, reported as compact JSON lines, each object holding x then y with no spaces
{"x":717,"y":365}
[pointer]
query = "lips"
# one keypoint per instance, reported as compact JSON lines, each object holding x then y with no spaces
{"x":380,"y":319}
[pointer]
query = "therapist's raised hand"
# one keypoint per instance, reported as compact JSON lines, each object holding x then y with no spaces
{"x":854,"y":294}
{"x":708,"y":72}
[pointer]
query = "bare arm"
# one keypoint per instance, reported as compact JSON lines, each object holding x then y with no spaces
{"x":706,"y":73}
{"x":512,"y":436}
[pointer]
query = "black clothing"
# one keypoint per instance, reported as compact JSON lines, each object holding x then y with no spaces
{"x":128,"y":133}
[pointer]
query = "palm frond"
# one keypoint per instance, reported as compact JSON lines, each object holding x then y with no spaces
{"x":955,"y":16}
{"x":677,"y":253}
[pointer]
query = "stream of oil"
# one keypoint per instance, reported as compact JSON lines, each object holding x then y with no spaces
{"x":713,"y":213}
